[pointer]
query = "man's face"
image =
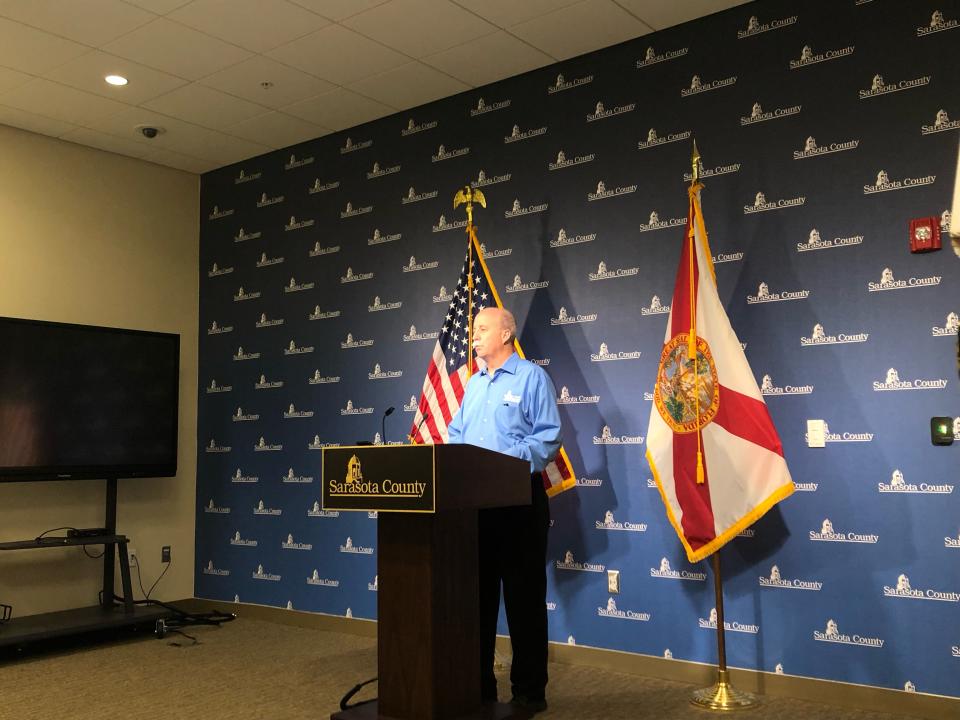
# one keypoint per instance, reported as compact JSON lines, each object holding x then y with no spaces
{"x":488,"y":334}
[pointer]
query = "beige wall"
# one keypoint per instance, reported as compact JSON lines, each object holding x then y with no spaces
{"x":92,"y":237}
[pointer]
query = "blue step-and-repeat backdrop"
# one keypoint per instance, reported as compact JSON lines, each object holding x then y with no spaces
{"x":327,"y":269}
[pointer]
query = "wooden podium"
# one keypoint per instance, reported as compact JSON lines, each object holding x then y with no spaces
{"x":428,"y":638}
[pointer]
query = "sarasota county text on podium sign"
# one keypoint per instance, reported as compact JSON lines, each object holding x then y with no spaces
{"x":379,"y":477}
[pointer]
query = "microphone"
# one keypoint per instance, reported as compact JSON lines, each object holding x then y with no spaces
{"x":383,"y":424}
{"x":426,"y":416}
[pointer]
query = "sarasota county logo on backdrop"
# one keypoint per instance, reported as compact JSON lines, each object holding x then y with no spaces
{"x":518,"y":210}
{"x":213,"y":447}
{"x":831,"y":633}
{"x":414,"y":127}
{"x":245,"y":177}
{"x":268,"y":200}
{"x":819,"y":336}
{"x":295,"y":224}
{"x":710,"y":623}
{"x":516,"y":134}
{"x":883,"y":183}
{"x":210,"y":569}
{"x":941,"y":123}
{"x":265,"y":321}
{"x":827,"y":533}
{"x":378,"y":172}
{"x":350,"y":276}
{"x":604,"y":354}
{"x":665,"y":572}
{"x":776,"y":581}
{"x":815,"y":242}
{"x":561,"y":83}
{"x":484,"y":107}
{"x":377,"y":305}
{"x":318,"y":186}
{"x":892,"y":382}
{"x":757,"y":114}
{"x":413,"y":335}
{"x":350,"y":146}
{"x":242,"y":236}
{"x":768,"y":388}
{"x":879,"y":86}
{"x":483,"y":179}
{"x":950,"y":327}
{"x":262,"y":508}
{"x":412,"y":196}
{"x":315,"y":579}
{"x":755,"y":27}
{"x":612,"y":611}
{"x":241,"y":416}
{"x":443,"y":226}
{"x":216,"y":329}
{"x":653,"y":140}
{"x":242,"y":294}
{"x":444,"y":154}
{"x":261,"y":574}
{"x":607,"y":437}
{"x":811,"y":148}
{"x":724,"y":169}
{"x":519,"y":285}
{"x":603,"y":273}
{"x":808,"y":57}
{"x":292,"y":478}
{"x":569,"y":563}
{"x":764,"y":295}
{"x":213,"y":508}
{"x":563,"y":239}
{"x":698,"y":85}
{"x":291,"y":544}
{"x":652,"y":57}
{"x":761,"y":204}
{"x":216,"y":270}
{"x":655,"y":223}
{"x":349,"y":409}
{"x":265,"y":261}
{"x":938,"y":23}
{"x":565,"y":318}
{"x":379,"y":238}
{"x":214,"y":387}
{"x":242,"y":542}
{"x":889,"y":282}
{"x":898,"y":484}
{"x":952,"y":542}
{"x":351,"y":211}
{"x":562,"y":162}
{"x":217,"y":213}
{"x":903,"y":589}
{"x":565,"y":398}
{"x":239,"y":477}
{"x":601,"y":112}
{"x":603,"y":193}
{"x":610,"y":523}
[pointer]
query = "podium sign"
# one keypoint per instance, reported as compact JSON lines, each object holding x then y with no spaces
{"x":394,"y":478}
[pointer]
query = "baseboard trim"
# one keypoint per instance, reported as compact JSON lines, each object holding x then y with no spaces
{"x":862,"y":697}
{"x":282,"y":616}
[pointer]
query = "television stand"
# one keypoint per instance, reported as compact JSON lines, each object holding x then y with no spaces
{"x":20,"y":631}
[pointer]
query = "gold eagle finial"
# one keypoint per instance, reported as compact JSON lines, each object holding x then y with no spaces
{"x":469,"y":195}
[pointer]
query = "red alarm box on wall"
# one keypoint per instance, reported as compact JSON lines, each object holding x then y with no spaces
{"x":924,"y":234}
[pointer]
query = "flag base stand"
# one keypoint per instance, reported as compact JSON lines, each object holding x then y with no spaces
{"x":723,"y":697}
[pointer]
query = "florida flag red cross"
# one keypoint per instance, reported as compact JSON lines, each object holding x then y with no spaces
{"x":711,"y":444}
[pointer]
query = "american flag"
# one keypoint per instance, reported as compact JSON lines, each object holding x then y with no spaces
{"x":446,"y":378}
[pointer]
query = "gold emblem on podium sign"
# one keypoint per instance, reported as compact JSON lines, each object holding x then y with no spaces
{"x":353,"y":470}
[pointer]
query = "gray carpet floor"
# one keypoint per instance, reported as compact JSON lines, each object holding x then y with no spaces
{"x":254,"y":670}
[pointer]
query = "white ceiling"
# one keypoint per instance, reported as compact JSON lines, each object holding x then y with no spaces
{"x":196,"y":66}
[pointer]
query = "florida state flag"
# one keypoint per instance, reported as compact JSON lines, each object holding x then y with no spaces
{"x":714,"y":452}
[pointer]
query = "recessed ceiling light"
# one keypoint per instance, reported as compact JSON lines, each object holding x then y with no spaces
{"x":116,"y":80}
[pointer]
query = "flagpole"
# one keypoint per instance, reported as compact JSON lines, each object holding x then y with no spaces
{"x":469,"y":195}
{"x":721,"y":696}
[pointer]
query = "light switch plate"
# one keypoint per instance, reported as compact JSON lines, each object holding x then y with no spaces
{"x":816,"y":433}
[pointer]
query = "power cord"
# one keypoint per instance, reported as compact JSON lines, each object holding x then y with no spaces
{"x":146,"y":594}
{"x":345,"y":700}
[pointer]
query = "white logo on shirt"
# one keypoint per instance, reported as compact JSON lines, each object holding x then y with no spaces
{"x":510,"y":397}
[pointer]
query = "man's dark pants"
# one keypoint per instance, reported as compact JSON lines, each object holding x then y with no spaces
{"x":513,"y":551}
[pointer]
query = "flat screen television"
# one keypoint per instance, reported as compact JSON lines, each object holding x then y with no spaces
{"x":79,"y":401}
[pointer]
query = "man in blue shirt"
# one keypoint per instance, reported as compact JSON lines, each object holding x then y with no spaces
{"x":510,"y":406}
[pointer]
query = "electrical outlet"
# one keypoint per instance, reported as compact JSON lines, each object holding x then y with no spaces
{"x":165,"y":554}
{"x":132,"y":555}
